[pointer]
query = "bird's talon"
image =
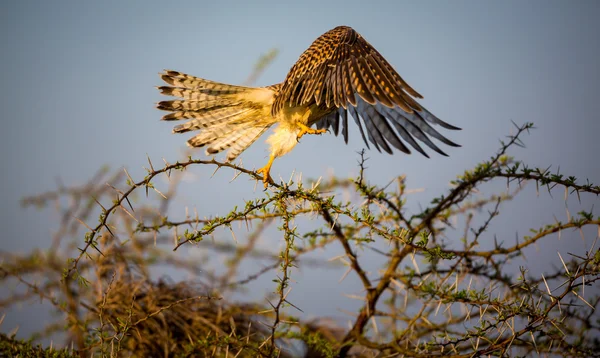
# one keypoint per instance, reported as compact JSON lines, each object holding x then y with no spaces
{"x":307,"y":130}
{"x":266,"y":175}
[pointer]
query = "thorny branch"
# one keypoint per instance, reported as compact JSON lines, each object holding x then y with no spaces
{"x":429,"y":298}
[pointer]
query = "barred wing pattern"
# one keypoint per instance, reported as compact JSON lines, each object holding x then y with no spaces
{"x":341,"y":71}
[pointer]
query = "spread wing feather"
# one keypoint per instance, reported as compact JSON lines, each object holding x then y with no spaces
{"x":343,"y":73}
{"x":340,"y":60}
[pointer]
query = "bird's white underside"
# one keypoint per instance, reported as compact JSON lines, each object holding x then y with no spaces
{"x":285,"y":135}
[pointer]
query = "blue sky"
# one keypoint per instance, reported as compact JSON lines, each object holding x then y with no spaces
{"x":77,"y":92}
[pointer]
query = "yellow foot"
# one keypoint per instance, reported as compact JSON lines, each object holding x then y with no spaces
{"x":307,"y":130}
{"x":266,"y":176}
{"x":265,"y":171}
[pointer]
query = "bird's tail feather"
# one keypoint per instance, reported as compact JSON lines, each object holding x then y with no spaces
{"x":181,"y":80}
{"x":229,"y":117}
{"x":236,"y":141}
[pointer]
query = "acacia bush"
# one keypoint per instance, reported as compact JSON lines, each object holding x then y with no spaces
{"x":439,"y":291}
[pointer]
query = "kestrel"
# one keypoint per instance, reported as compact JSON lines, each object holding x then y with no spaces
{"x":338,"y":76}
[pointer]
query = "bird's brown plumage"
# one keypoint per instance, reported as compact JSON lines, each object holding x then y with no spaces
{"x":339,"y":64}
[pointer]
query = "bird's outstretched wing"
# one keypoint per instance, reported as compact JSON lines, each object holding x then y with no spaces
{"x":341,"y":71}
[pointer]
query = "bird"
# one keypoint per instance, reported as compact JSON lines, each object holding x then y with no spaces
{"x":339,"y":76}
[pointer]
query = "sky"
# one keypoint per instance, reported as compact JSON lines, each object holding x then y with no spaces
{"x":78,"y":92}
